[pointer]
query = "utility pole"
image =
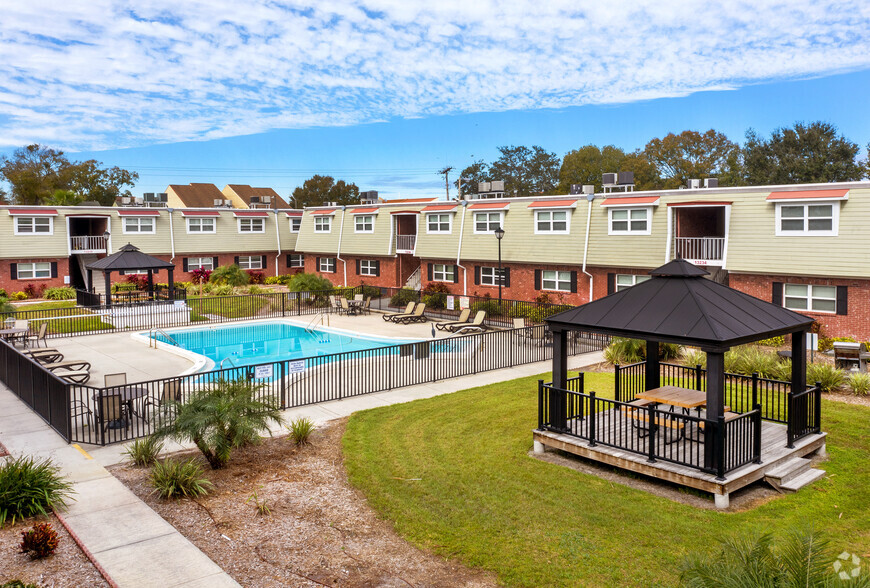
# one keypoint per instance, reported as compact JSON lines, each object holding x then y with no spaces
{"x":446,"y":171}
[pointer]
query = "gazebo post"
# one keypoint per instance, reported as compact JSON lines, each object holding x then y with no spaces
{"x":798,"y":361}
{"x":107,"y":274}
{"x":715,"y":406}
{"x":557,"y":399}
{"x":171,"y":283}
{"x":90,"y":277}
{"x":150,"y":284}
{"x":652,"y":377}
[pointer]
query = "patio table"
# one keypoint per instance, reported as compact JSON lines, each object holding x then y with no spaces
{"x":13,"y":333}
{"x":685,"y":398}
{"x":127,"y":394}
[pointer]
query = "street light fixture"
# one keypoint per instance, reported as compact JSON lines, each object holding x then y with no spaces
{"x":106,"y":236}
{"x":499,"y":235}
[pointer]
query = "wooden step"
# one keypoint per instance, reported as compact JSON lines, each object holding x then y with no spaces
{"x":805,"y":479}
{"x":786,"y":471}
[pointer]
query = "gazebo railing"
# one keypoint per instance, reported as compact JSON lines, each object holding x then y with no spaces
{"x":805,"y":412}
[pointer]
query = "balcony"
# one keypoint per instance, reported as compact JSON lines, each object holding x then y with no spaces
{"x":405,"y":243}
{"x":700,"y":250}
{"x":87,"y":244}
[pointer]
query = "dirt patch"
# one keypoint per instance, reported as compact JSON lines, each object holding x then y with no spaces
{"x":321,"y":531}
{"x":68,"y":566}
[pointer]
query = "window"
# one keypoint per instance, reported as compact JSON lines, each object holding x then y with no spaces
{"x":296,"y":260}
{"x":553,"y":280}
{"x":322,"y":224}
{"x":807,"y":219}
{"x":624,"y":281}
{"x":200,"y":263}
{"x":629,"y":220}
{"x":30,"y":225}
{"x":442,"y":272}
{"x":32,"y":271}
{"x":368,"y":267}
{"x":138,"y":224}
{"x":489,"y":276}
{"x":364,"y":223}
{"x":200,"y":225}
{"x":295,"y":224}
{"x":813,"y":298}
{"x":486,"y":222}
{"x":252,"y":225}
{"x":438,"y":223}
{"x":251,"y":262}
{"x":551,"y":221}
{"x":326,"y":265}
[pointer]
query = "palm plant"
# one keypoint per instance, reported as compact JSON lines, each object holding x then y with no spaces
{"x":220,"y":418}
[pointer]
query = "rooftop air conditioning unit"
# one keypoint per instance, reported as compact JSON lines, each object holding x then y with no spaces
{"x":711,"y":182}
{"x":625,"y":178}
{"x":149,"y":196}
{"x":228,"y":203}
{"x":126,"y":200}
{"x":330,"y":203}
{"x":694,"y":184}
{"x":498,"y":185}
{"x":369,"y":197}
{"x":255,"y":199}
{"x":218,"y":201}
{"x":265,"y":199}
{"x":484,"y":187}
{"x":608,"y":179}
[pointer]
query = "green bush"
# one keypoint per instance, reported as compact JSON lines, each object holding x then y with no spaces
{"x":751,"y":359}
{"x":231,"y":275}
{"x":18,"y":584}
{"x":625,"y":351}
{"x":29,"y":488}
{"x":39,"y":541}
{"x":827,"y":343}
{"x":300,"y":430}
{"x":5,"y":306}
{"x":274,"y":280}
{"x":255,"y":289}
{"x":859,"y":382}
{"x":693,"y":357}
{"x":402,"y":297}
{"x":303,"y":282}
{"x":222,"y":290}
{"x":19,"y":296}
{"x":174,"y":479}
{"x":491,"y":307}
{"x":59,"y":293}
{"x":783,"y":371}
{"x":3,"y":293}
{"x":143,"y":452}
{"x":829,"y":377}
{"x":772,"y":342}
{"x":435,"y":301}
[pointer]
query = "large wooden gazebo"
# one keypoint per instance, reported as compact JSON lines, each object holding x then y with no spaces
{"x":679,"y":305}
{"x":129,"y":258}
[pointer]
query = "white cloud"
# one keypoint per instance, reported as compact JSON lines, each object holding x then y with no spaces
{"x":94,"y":74}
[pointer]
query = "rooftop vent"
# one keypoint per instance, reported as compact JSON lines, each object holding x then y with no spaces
{"x":369,"y":197}
{"x":694,"y":184}
{"x":625,"y":178}
{"x":608,"y":179}
{"x":711,"y":182}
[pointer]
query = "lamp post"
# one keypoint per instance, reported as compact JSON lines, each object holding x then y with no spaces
{"x":499,"y":235}
{"x":106,"y":236}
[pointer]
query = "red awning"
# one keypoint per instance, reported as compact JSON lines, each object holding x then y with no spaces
{"x":364,"y":211}
{"x":200,"y":213}
{"x":631,"y":201}
{"x":323,"y":212}
{"x":33,"y":211}
{"x":246,"y":213}
{"x":553,"y":203}
{"x":143,"y":212}
{"x":489,"y":205}
{"x":817,"y":194}
{"x":441,"y":207}
{"x":294,"y":214}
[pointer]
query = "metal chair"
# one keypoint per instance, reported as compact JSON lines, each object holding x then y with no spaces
{"x":171,"y":393}
{"x":112,"y":380}
{"x":112,"y":410}
{"x":40,"y":336}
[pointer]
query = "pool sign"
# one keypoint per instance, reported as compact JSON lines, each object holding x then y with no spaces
{"x":262,"y":371}
{"x":463,"y":302}
{"x":450,"y":303}
{"x":296,"y":367}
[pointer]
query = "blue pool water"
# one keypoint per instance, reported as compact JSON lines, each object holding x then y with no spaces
{"x":265,"y":342}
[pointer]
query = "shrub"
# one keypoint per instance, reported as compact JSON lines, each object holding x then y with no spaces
{"x":829,"y":377}
{"x":402,"y":297}
{"x":783,"y":371}
{"x":200,"y":275}
{"x":371,"y":291}
{"x":859,"y":383}
{"x":827,"y":343}
{"x":143,"y":452}
{"x":300,"y":430}
{"x":261,"y":505}
{"x":435,"y":301}
{"x":222,"y":290}
{"x":772,"y":342}
{"x":256,"y":277}
{"x":693,"y":357}
{"x":173,"y":479}
{"x":19,"y":296}
{"x":3,"y":293}
{"x":5,"y":307}
{"x":624,"y":351}
{"x":231,"y":275}
{"x":303,"y":282}
{"x":255,"y":289}
{"x":492,"y":308}
{"x":18,"y":584}
{"x":274,"y":280}
{"x":33,"y":290}
{"x":751,"y":359}
{"x":40,"y":541}
{"x":218,"y":419}
{"x":59,"y":293}
{"x":29,"y":488}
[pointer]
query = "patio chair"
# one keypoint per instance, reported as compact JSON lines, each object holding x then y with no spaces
{"x":69,"y":365}
{"x":171,"y":392}
{"x":409,"y":309}
{"x":47,"y":355}
{"x":333,"y":301}
{"x":367,"y":305}
{"x":113,"y":380}
{"x":73,"y":376}
{"x":80,"y":410}
{"x":22,"y":338}
{"x":346,"y":308}
{"x":463,"y":319}
{"x":112,"y":410}
{"x":415,"y":317}
{"x":39,"y":336}
{"x":475,"y":326}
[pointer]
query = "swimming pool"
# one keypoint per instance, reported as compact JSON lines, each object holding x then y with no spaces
{"x":264,"y":342}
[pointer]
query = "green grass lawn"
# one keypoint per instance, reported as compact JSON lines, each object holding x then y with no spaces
{"x":48,"y":305}
{"x":227,"y":306}
{"x":454,"y":475}
{"x":87,"y":323}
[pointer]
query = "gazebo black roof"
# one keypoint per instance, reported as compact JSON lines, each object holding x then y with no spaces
{"x":678,"y":305}
{"x":129,"y":258}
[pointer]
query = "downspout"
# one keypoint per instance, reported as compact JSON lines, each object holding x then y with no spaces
{"x":171,"y":236}
{"x":459,"y":250}
{"x":338,"y":253}
{"x":278,"y":238}
{"x":589,"y":199}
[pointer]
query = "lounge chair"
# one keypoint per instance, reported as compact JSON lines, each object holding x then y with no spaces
{"x":416,"y":317}
{"x":71,"y":364}
{"x":475,"y":326}
{"x":408,"y":310}
{"x":47,"y":355}
{"x":463,"y":319}
{"x":40,"y":336}
{"x":73,"y":376}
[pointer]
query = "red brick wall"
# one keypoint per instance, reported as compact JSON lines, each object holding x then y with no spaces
{"x":854,"y":324}
{"x":389,"y":277}
{"x":11,"y":286}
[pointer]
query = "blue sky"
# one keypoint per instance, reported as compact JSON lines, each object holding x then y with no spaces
{"x":385,"y":92}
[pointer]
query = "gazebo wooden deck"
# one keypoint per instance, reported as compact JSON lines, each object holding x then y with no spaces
{"x":727,"y":431}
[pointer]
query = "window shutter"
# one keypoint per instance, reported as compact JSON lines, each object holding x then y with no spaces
{"x":477,"y":275}
{"x":776,"y":297}
{"x":265,"y":263}
{"x":214,"y":262}
{"x":184,"y":264}
{"x":378,"y":268}
{"x":455,"y":274}
{"x":429,"y":271}
{"x":842,"y":300}
{"x":611,"y":284}
{"x":288,"y":261}
{"x":317,"y":267}
{"x":537,"y":279}
{"x":506,"y":277}
{"x":236,"y":260}
{"x":54,"y":275}
{"x":357,"y":267}
{"x":573,"y":282}
{"x":14,"y":268}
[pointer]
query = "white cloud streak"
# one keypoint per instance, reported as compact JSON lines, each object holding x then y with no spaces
{"x":94,"y":74}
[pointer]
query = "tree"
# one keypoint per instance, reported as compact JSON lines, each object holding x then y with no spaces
{"x":473,"y":174}
{"x":691,"y":154}
{"x":801,"y":155}
{"x":64,"y":198}
{"x":585,"y":166}
{"x":318,"y":190}
{"x":229,"y":274}
{"x":526,"y":171}
{"x":93,"y":182}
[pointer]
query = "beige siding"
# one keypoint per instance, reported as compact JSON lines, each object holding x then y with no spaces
{"x":311,"y":242}
{"x":226,"y":239}
{"x":23,"y":246}
{"x":641,"y":251}
{"x":156,"y":244}
{"x":172,"y":199}
{"x":376,"y":243}
{"x":288,"y":238}
{"x":440,"y":245}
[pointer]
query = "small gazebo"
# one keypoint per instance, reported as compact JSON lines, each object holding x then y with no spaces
{"x":130,"y":258}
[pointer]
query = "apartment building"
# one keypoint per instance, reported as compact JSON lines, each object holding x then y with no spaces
{"x":802,"y":246}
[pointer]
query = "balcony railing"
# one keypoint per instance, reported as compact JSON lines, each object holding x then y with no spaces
{"x":406,"y":243}
{"x":88,"y":243}
{"x":699,"y":248}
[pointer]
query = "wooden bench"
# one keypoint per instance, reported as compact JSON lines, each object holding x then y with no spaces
{"x":729,"y":416}
{"x":661,"y":421}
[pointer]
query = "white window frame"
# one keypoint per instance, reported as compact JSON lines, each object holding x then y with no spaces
{"x":806,"y":232}
{"x":328,"y":263}
{"x":33,"y":269}
{"x":297,"y":260}
{"x":629,"y":231}
{"x":360,"y":219}
{"x":251,"y":262}
{"x":138,"y":225}
{"x":321,"y":220}
{"x":551,"y":231}
{"x":32,"y":222}
{"x":191,"y":266}
{"x":560,"y":277}
{"x":443,"y":272}
{"x":251,"y":224}
{"x":634,"y":280}
{"x":810,"y":297}
{"x":489,"y":221}
{"x":295,"y":224}
{"x":200,"y":220}
{"x":368,"y":267}
{"x":488,"y":276}
{"x":439,"y":231}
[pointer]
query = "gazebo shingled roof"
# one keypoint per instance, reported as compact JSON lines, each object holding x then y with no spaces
{"x":129,"y":258}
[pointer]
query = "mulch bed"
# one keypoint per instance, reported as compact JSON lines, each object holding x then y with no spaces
{"x":320,"y":532}
{"x":66,"y":567}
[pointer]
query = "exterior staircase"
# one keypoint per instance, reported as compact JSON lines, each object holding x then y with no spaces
{"x":793,"y":475}
{"x":84,"y":260}
{"x":413,"y":281}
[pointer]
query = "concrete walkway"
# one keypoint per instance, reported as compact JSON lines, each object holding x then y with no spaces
{"x":135,"y":546}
